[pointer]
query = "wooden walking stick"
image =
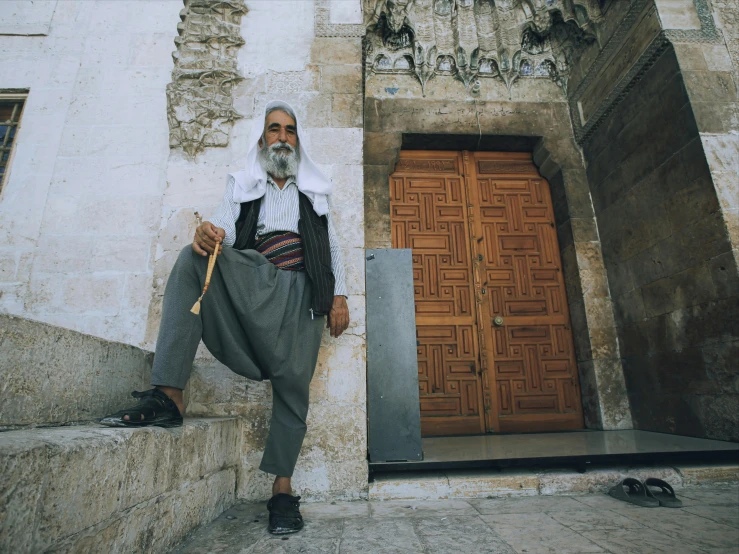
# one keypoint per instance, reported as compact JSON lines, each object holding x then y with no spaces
{"x":211,"y":264}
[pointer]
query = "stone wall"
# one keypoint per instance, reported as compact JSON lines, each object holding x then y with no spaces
{"x":79,"y":212}
{"x":668,"y":256}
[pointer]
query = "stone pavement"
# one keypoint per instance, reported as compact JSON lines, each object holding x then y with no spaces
{"x":708,"y":522}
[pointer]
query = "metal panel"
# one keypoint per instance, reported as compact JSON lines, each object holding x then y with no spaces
{"x":392,"y":364}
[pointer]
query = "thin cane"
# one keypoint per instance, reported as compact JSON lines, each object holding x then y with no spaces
{"x":211,"y":264}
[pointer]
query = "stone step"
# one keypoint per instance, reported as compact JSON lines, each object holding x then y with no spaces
{"x":508,"y":483}
{"x":96,"y":489}
{"x":54,"y":376}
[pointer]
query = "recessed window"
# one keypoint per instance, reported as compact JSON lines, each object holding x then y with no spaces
{"x":10,"y":117}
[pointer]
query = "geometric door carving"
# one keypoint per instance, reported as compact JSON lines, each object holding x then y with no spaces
{"x":481,"y":229}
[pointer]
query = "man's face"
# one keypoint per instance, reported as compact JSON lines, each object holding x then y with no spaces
{"x":280,"y":127}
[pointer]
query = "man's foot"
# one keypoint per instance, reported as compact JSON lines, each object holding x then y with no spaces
{"x":284,"y":514}
{"x":153,"y":408}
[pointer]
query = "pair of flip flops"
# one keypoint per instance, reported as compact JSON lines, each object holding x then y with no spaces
{"x":650,"y":494}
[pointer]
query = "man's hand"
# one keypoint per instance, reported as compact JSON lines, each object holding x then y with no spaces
{"x":338,"y":317}
{"x":206,"y":236}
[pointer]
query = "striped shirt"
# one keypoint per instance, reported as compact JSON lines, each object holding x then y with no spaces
{"x":279,"y":211}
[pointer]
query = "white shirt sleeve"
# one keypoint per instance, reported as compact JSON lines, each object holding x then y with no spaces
{"x":337,"y":261}
{"x":227,"y":213}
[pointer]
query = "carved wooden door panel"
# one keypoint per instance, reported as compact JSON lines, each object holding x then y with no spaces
{"x":531,"y":351}
{"x":428,"y":206}
{"x":481,"y":227}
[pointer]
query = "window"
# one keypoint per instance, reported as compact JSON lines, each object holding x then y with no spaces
{"x":10,"y":116}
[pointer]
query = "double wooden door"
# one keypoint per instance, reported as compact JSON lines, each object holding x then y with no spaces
{"x":495,"y":350}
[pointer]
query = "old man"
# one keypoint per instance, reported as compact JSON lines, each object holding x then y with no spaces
{"x":279,"y":274}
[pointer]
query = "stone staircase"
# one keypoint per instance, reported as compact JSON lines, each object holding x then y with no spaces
{"x":71,"y":485}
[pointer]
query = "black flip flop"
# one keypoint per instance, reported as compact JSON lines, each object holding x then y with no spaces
{"x":636,"y":493}
{"x":665,"y":496}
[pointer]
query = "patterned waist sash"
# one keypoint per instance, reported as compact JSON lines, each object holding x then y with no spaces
{"x":282,"y":248}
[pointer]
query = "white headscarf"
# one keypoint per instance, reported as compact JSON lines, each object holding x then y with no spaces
{"x":251,"y":183}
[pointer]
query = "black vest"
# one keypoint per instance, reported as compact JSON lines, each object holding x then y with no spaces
{"x":313,"y":230}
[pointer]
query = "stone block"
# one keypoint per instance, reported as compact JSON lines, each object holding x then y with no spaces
{"x":93,"y":294}
{"x":589,"y":256}
{"x":146,"y":142}
{"x":717,"y":57}
{"x":312,"y":108}
{"x":99,"y":215}
{"x":56,"y":375}
{"x":710,"y":86}
{"x":589,"y":395}
{"x":336,"y":432}
{"x":693,"y":201}
{"x":599,"y":480}
{"x":584,"y":229}
{"x":408,"y":485}
{"x":354,"y":263}
{"x":336,"y":146}
{"x":346,"y":79}
{"x":603,"y":342}
{"x":580,"y":332}
{"x":687,"y":288}
{"x":615,"y":410}
{"x":690,"y":57}
{"x":492,"y":484}
{"x":725,"y":275}
{"x":381,"y":148}
{"x":347,"y":480}
{"x":126,"y":254}
{"x":346,"y":110}
{"x":708,"y":474}
{"x":336,"y":51}
{"x":158,"y":524}
{"x":599,"y":312}
{"x":629,"y":308}
{"x":620,"y":278}
{"x":716,"y":117}
{"x":122,"y":176}
{"x":564,"y":235}
{"x":344,"y":362}
{"x":137,"y":292}
{"x":577,"y":192}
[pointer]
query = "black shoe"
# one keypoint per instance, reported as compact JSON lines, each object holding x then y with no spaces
{"x":284,"y":514}
{"x":156,"y":407}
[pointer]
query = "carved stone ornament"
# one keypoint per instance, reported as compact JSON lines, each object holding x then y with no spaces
{"x":472,"y":39}
{"x":199,"y":99}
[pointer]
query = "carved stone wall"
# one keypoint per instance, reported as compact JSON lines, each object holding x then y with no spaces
{"x":200,"y":107}
{"x":473,"y":39}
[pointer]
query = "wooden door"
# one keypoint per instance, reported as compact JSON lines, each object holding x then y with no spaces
{"x":484,"y":246}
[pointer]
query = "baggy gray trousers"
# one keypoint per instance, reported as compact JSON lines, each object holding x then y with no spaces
{"x":256,"y":320}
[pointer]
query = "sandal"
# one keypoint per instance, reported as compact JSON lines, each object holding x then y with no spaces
{"x":636,"y":494}
{"x":665,"y":496}
{"x":284,"y":514}
{"x":155,"y":407}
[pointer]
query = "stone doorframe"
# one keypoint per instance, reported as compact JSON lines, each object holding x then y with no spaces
{"x":388,"y":123}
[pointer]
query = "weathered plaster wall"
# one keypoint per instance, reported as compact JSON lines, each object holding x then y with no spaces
{"x":80,"y":209}
{"x":97,"y":205}
{"x":395,"y":105}
{"x":668,"y":256}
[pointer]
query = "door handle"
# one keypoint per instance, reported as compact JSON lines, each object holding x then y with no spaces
{"x":498,"y":321}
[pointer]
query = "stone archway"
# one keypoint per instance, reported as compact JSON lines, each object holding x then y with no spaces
{"x":392,"y":124}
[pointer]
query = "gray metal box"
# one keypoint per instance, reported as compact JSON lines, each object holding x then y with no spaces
{"x":392,"y":363}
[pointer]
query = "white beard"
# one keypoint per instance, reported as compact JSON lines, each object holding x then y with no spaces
{"x":278,"y":164}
